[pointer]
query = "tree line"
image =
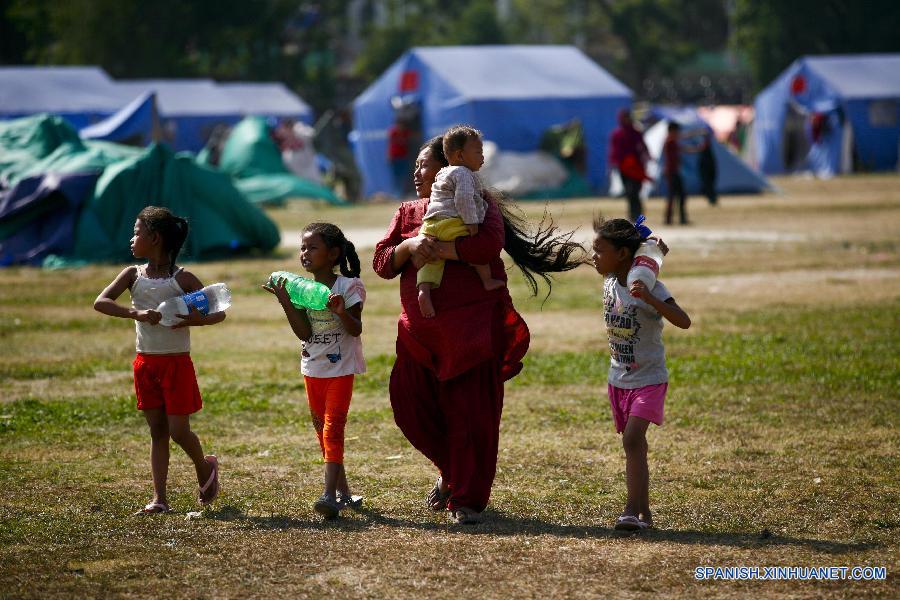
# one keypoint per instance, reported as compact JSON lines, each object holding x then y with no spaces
{"x":328,"y":51}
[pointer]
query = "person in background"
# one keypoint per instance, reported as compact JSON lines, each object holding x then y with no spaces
{"x":672,"y":171}
{"x":628,"y":154}
{"x":706,"y":169}
{"x":399,"y":135}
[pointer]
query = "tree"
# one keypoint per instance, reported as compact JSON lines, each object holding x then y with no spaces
{"x":773,"y":33}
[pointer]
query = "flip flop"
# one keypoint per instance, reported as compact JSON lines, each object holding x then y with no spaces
{"x":628,"y":523}
{"x":154,"y":508}
{"x":436,"y":500}
{"x":213,"y":481}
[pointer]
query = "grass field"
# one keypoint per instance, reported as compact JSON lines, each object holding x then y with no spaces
{"x":780,"y":446}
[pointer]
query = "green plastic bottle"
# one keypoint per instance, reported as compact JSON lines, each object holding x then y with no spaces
{"x":304,"y":293}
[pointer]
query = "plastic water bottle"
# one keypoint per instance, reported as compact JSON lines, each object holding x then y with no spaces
{"x":211,"y":299}
{"x":304,"y":293}
{"x":647,"y":260}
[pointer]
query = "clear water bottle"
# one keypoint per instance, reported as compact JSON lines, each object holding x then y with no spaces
{"x":211,"y":299}
{"x":304,"y":293}
{"x":647,"y":260}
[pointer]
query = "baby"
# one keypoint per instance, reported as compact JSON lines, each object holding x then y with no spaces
{"x":455,"y":209}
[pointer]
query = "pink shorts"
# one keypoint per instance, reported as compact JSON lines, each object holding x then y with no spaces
{"x":644,"y":402}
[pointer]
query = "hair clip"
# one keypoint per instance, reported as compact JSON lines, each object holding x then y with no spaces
{"x":643,"y":231}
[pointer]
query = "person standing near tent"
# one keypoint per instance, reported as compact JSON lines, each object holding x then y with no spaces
{"x":446,"y":385}
{"x":706,"y":169}
{"x":628,"y":154}
{"x":672,"y":171}
{"x":399,"y":135}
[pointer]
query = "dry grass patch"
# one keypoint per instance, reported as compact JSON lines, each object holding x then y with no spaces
{"x":780,"y":445}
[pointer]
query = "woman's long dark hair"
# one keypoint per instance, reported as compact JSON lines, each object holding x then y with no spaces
{"x":540,"y":251}
{"x":537,"y":253}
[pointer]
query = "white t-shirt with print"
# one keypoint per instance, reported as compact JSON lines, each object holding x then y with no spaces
{"x":634,"y":328}
{"x":331,"y":351}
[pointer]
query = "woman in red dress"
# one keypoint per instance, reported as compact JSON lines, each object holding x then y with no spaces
{"x":446,"y":386}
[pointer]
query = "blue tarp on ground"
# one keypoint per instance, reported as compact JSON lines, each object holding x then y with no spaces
{"x":862,"y":91}
{"x":133,"y":124}
{"x":268,"y":99}
{"x":38,"y":216}
{"x":81,"y":95}
{"x":511,"y":93}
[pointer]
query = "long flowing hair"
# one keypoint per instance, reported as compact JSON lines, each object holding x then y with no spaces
{"x":538,"y":251}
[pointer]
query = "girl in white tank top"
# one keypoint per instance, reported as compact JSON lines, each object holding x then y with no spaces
{"x":164,"y":378}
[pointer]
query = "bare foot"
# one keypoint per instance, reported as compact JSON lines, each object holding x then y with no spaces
{"x":425,"y":304}
{"x":493,"y":284}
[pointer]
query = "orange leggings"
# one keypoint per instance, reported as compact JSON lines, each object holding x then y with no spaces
{"x":329,"y":401}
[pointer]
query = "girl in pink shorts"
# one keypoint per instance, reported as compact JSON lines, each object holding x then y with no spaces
{"x":164,"y":379}
{"x":638,"y":378}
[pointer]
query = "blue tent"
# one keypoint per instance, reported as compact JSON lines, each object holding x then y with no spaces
{"x":268,"y":99}
{"x":823,"y":112}
{"x":189,"y":109}
{"x":81,"y":95}
{"x":133,"y":124}
{"x":513,"y":94}
{"x":733,"y":175}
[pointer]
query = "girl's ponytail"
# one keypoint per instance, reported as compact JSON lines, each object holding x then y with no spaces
{"x":171,"y":228}
{"x":350,"y":266}
{"x":179,"y":235}
{"x":348,"y":260}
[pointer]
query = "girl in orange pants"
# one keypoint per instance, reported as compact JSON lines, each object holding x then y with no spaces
{"x":332,"y":350}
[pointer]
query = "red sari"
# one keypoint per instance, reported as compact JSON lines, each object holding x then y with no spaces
{"x":446,"y":386}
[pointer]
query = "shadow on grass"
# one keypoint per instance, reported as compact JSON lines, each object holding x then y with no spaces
{"x":497,"y":524}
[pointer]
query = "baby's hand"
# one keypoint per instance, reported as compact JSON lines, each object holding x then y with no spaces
{"x":149,"y":316}
{"x":639,"y":290}
{"x":336,"y":304}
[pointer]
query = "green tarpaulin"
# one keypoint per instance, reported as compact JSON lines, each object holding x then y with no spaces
{"x":251,"y":157}
{"x":47,"y":144}
{"x":223,"y":222}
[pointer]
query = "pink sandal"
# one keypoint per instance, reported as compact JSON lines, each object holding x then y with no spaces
{"x":213,"y":482}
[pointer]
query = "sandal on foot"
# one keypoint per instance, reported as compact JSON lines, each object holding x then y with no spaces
{"x":210,"y":490}
{"x":628,"y":523}
{"x":437,"y":500}
{"x":464,"y":516}
{"x":327,"y":506}
{"x":154,"y":508}
{"x":349,"y":501}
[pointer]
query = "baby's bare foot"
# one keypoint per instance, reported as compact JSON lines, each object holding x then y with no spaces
{"x":425,"y":305}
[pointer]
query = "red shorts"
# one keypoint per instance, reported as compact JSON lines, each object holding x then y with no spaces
{"x":166,"y":381}
{"x":645,"y":402}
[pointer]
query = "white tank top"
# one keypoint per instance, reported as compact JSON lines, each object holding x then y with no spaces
{"x":147,"y":293}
